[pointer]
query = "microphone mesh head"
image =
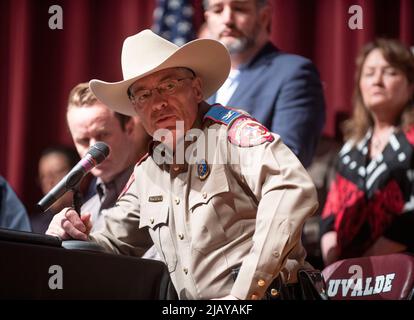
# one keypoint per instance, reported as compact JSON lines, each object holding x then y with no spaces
{"x":99,"y":151}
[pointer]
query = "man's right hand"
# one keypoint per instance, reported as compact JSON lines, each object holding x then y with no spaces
{"x":68,"y":225}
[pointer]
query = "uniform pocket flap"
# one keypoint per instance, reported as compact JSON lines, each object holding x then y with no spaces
{"x":203,"y":191}
{"x":153,"y":215}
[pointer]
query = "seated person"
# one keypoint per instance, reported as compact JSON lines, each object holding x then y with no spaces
{"x":225,"y":213}
{"x":282,"y":91}
{"x":369,"y":208}
{"x":54,"y":164}
{"x":89,"y":121}
{"x":13,"y":214}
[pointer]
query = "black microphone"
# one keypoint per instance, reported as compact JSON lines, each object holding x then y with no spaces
{"x":95,"y":155}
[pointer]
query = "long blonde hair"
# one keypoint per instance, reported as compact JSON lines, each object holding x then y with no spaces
{"x":399,"y":57}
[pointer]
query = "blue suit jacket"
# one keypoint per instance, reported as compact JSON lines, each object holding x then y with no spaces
{"x":283,"y":92}
{"x":13,"y":214}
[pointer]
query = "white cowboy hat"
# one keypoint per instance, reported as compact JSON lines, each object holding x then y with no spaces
{"x":146,"y":53}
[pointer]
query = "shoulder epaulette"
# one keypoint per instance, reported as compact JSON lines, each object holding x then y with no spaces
{"x":223,"y":115}
{"x":243,"y":129}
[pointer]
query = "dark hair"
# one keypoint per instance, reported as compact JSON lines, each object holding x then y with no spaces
{"x":259,"y":3}
{"x":398,"y":56}
{"x":70,"y":154}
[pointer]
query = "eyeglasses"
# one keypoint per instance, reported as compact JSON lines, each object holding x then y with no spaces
{"x":143,"y":97}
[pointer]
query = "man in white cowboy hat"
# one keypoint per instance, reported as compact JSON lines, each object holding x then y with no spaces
{"x":222,"y":198}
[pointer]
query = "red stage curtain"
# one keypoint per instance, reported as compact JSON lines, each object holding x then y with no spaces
{"x":39,"y":65}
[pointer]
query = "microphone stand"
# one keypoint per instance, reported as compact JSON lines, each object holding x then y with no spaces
{"x":78,"y":244}
{"x":77,"y":199}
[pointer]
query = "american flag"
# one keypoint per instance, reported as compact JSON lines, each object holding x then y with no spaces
{"x":173,"y":20}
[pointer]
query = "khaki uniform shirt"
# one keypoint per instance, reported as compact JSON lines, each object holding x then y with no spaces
{"x":246,"y":213}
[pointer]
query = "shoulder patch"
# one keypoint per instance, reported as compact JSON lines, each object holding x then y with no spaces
{"x":246,"y":132}
{"x":223,"y":115}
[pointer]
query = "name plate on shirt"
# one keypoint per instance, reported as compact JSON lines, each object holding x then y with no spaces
{"x":155,"y":199}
